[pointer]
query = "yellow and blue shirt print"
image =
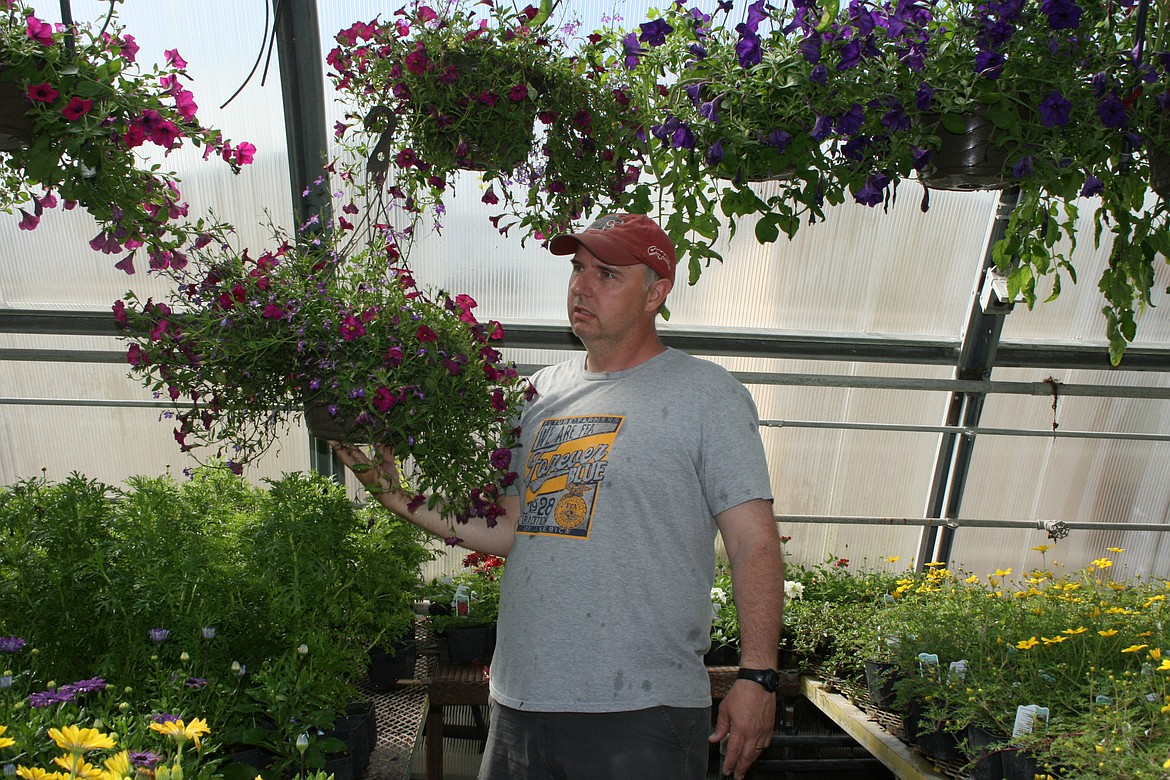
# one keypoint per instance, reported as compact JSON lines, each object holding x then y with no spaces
{"x":565,"y":471}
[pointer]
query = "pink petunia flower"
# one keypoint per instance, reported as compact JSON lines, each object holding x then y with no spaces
{"x":28,"y":221}
{"x":173,"y":58}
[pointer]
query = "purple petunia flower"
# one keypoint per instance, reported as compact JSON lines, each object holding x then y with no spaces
{"x":1093,"y":186}
{"x":196,"y":682}
{"x":921,"y":158}
{"x":1023,"y":167}
{"x":1112,"y":112}
{"x":1054,"y":110}
{"x":654,"y":32}
{"x":850,"y":55}
{"x":748,"y":48}
{"x":11,"y":644}
{"x":851,"y":121}
{"x":682,"y":137}
{"x":822,"y":128}
{"x":896,"y":119}
{"x":632,"y":51}
{"x":819,"y":74}
{"x":1062,"y":14}
{"x":714,"y":154}
{"x":872,"y":192}
{"x":924,"y":97}
{"x":810,"y":47}
{"x":779,"y":139}
{"x":164,"y":717}
{"x":710,"y":111}
{"x":988,"y":64}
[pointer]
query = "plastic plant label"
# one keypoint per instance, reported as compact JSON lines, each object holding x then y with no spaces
{"x":958,"y":670}
{"x":928,"y":665}
{"x":1028,"y":718}
{"x":462,"y":602}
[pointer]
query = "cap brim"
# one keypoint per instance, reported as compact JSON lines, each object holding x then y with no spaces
{"x":563,"y":245}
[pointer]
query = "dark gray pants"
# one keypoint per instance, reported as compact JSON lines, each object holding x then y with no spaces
{"x":660,"y":743}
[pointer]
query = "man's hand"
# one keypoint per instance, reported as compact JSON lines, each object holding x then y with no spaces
{"x":747,"y":717}
{"x":378,"y":476}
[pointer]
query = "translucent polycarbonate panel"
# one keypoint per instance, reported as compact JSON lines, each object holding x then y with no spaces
{"x":1033,"y":478}
{"x":104,"y":442}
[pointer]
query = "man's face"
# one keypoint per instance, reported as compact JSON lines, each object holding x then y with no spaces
{"x":606,"y":302}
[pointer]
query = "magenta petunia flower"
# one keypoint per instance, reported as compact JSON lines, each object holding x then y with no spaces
{"x":245,"y":153}
{"x":173,"y":58}
{"x":42,"y":93}
{"x":41,"y":32}
{"x":425,"y":334}
{"x":185,"y":103}
{"x":127,"y":47}
{"x":76,"y":108}
{"x":28,"y":221}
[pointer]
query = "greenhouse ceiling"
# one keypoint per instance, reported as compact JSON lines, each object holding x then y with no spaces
{"x":908,"y":411}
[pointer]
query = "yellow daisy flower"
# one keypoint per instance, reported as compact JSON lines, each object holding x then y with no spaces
{"x":78,"y":768}
{"x":972,"y":579}
{"x":118,"y":766}
{"x":1055,"y":640}
{"x":180,"y":731}
{"x":36,"y":773}
{"x":1165,"y":667}
{"x":1102,"y":563}
{"x":1074,"y":631}
{"x":1043,"y":548}
{"x":1156,"y":654}
{"x":1108,"y":632}
{"x":1027,"y":644}
{"x":1134,"y":648}
{"x":1115,"y":550}
{"x":78,"y":740}
{"x":5,"y":741}
{"x":935,"y":564}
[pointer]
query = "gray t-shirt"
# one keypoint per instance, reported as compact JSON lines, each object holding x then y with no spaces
{"x":606,"y":597}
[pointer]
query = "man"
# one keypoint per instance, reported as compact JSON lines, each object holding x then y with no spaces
{"x":629,"y":460}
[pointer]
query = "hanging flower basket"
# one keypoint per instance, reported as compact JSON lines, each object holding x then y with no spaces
{"x":246,"y":343}
{"x":967,"y":158}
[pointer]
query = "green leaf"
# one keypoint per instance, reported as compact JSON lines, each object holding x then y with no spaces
{"x":767,"y":229}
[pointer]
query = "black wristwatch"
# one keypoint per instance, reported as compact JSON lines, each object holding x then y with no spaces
{"x":769,"y":678}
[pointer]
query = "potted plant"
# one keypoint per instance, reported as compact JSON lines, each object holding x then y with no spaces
{"x":337,"y":329}
{"x":79,"y":112}
{"x":465,"y":608}
{"x":483,"y":87}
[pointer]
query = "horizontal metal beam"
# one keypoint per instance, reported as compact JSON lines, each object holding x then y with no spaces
{"x":936,"y":522}
{"x":976,"y":431}
{"x":785,"y":345}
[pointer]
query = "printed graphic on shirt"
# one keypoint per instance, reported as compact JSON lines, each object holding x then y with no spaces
{"x":565,"y":471}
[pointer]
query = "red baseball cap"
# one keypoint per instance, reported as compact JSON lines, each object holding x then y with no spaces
{"x":623,"y":239}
